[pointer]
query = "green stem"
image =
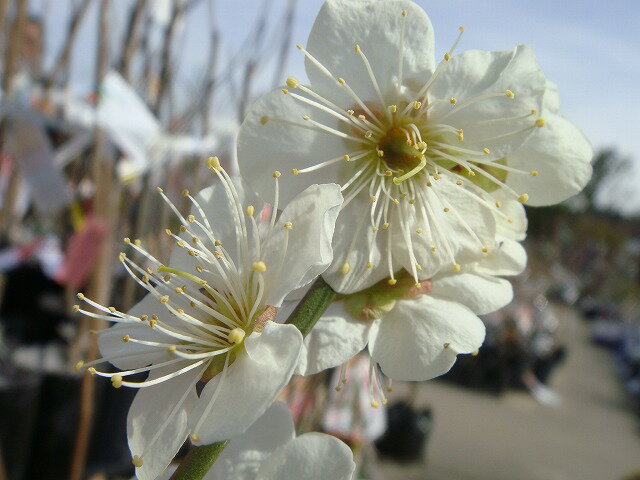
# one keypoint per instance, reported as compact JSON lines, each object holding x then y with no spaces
{"x":200,"y":459}
{"x":312,"y":306}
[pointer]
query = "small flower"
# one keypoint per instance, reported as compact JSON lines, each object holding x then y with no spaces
{"x":207,"y":316}
{"x":419,"y":149}
{"x":414,"y":331}
{"x":270,"y":450}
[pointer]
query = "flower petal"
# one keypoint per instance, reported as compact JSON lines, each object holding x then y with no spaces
{"x":377,"y":28}
{"x":352,"y":241}
{"x":475,"y":73}
{"x":267,"y":143}
{"x":510,"y":258}
{"x":334,"y":339}
{"x":241,"y":459}
{"x":409,"y":342}
{"x":561,"y":155}
{"x":253,"y":381}
{"x":481,"y":293}
{"x":172,"y":399}
{"x":295,"y":256}
{"x":312,"y":456}
{"x":222,"y":216}
{"x":133,"y":355}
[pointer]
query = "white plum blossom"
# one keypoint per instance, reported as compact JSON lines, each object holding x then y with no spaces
{"x":414,"y":332}
{"x":420,"y":149}
{"x":207,"y":316}
{"x":270,"y":450}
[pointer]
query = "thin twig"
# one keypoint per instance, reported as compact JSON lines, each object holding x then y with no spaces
{"x":132,"y":38}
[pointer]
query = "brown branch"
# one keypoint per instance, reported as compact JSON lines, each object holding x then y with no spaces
{"x":65,"y":55}
{"x":132,"y":38}
{"x":100,"y":288}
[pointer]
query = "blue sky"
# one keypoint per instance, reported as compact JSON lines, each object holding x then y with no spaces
{"x":591,"y":49}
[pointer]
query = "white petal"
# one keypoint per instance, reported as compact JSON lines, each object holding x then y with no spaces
{"x":376,"y":27}
{"x":312,"y":456}
{"x":353,"y":224}
{"x":133,"y":355}
{"x":149,"y":410}
{"x":562,"y":156}
{"x":464,"y":246}
{"x":220,"y":212}
{"x":253,"y":381}
{"x":334,"y":339}
{"x":308,"y":250}
{"x":266,"y":144}
{"x":516,"y":228}
{"x":474,"y":73}
{"x":509,"y":258}
{"x":409,"y":343}
{"x":241,"y":459}
{"x":481,"y":293}
{"x":551,"y":102}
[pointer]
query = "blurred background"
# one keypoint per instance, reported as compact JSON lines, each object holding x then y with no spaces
{"x":101,"y":101}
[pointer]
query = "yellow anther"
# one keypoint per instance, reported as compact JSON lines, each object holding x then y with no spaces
{"x":395,"y":200}
{"x":510,"y":94}
{"x":126,"y":339}
{"x":295,"y":171}
{"x":385,"y":226}
{"x":185,"y":192}
{"x":429,"y":184}
{"x":288,"y":225}
{"x":346,"y":158}
{"x":456,"y":267}
{"x":357,"y":48}
{"x":79,"y":365}
{"x":446,"y":209}
{"x":116,"y":381}
{"x":195,"y":438}
{"x":249,"y":211}
{"x":392,"y":281}
{"x":419,"y":268}
{"x":419,"y":231}
{"x":351,"y":112}
{"x":338,"y":388}
{"x":369,"y":264}
{"x":523,"y":198}
{"x":393,"y":108}
{"x":345,"y":268}
{"x":453,"y":100}
{"x":412,"y":201}
{"x":306,"y":117}
{"x":436,"y":176}
{"x":447,"y":345}
{"x":276,"y":174}
{"x":179,"y":290}
{"x":498,"y":204}
{"x":159,"y":190}
{"x":298,"y":46}
{"x":460,"y":135}
{"x":341,"y":81}
{"x":485,"y":250}
{"x":404,"y":13}
{"x":374,"y":229}
{"x":388,"y":173}
{"x":217,"y":254}
{"x":137,"y":242}
{"x":417,"y":105}
{"x":368,"y":134}
{"x":380,"y":153}
{"x":534,"y":173}
{"x":292,"y":82}
{"x":540,"y":122}
{"x":486,"y":151}
{"x":510,"y":220}
{"x":475,"y":353}
{"x":164,"y":299}
{"x":373,"y":199}
{"x":461,"y":28}
{"x":137,"y":461}
{"x":144,"y":318}
{"x":91,"y":370}
{"x":236,"y":336}
{"x":459,"y":182}
{"x":447,"y":57}
{"x":362,"y":117}
{"x":259,"y":266}
{"x":264,"y":119}
{"x":214,"y":163}
{"x":422,"y":145}
{"x":433,"y":249}
{"x":285,"y":91}
{"x":75,"y":308}
{"x":112,"y":309}
{"x":389,"y":389}
{"x":374,"y":404}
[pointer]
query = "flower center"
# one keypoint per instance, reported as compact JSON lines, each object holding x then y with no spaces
{"x":398,"y":152}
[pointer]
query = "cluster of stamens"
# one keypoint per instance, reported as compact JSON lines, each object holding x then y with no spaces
{"x":403,"y":158}
{"x":204,"y":315}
